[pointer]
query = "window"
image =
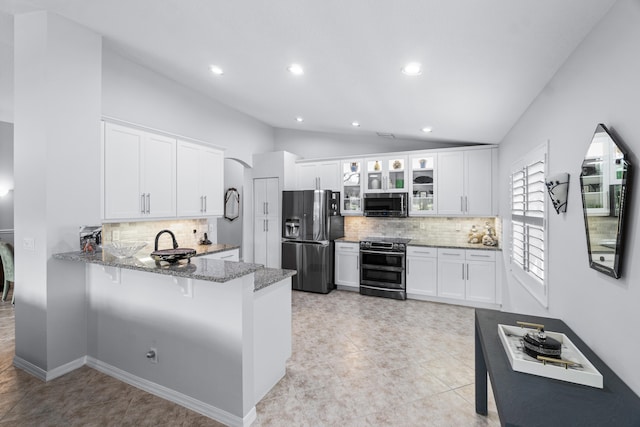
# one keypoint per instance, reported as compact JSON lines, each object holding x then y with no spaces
{"x":528,"y":222}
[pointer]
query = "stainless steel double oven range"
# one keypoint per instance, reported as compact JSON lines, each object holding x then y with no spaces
{"x":382,"y":267}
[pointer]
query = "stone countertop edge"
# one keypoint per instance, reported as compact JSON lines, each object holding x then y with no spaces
{"x":269,"y":276}
{"x":214,"y":248}
{"x":432,"y":244}
{"x":202,"y":269}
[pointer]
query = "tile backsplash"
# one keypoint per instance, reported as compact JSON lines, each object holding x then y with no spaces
{"x":146,"y":231}
{"x":454,"y":230}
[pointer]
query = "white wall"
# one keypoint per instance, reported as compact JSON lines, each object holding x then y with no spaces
{"x":6,"y":181}
{"x":136,"y":94}
{"x":6,"y":67}
{"x":56,"y":158}
{"x":230,"y":232}
{"x":314,"y":145}
{"x":599,"y":83}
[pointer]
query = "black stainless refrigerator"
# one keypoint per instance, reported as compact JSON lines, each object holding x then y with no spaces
{"x":311,"y":221}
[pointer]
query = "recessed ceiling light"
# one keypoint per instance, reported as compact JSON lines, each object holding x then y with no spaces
{"x":216,"y":70}
{"x":296,"y":69}
{"x":355,"y":124}
{"x":412,"y":69}
{"x":427,"y":130}
{"x":299,"y":119}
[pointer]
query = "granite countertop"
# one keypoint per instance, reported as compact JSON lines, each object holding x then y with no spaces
{"x":212,"y":270}
{"x":214,"y":248}
{"x":429,"y":242}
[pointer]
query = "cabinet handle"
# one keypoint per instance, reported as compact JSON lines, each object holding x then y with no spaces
{"x":148,"y":203}
{"x":450,"y":254}
{"x":266,"y":207}
{"x":205,"y":204}
{"x":479,"y":256}
{"x":466,"y":204}
{"x":357,"y":263}
{"x":142,"y":203}
{"x":462,"y":265}
{"x":461,"y":204}
{"x":467,"y":271}
{"x":264,"y":225}
{"x":266,"y":222}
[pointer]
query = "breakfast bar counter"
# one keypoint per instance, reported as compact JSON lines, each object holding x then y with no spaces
{"x":219,"y":331}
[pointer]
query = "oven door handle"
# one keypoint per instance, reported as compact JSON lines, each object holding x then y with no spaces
{"x":382,"y":253}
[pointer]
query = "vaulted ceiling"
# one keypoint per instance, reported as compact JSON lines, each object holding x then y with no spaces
{"x":483,"y":62}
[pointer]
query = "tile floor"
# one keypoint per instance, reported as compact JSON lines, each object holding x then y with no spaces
{"x":357,"y":361}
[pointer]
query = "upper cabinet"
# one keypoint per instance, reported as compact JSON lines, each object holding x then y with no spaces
{"x":422,"y":184}
{"x":318,"y":175}
{"x":147,"y":175}
{"x":386,"y":174}
{"x":351,"y":191}
{"x":200,"y":180}
{"x":139,"y":174}
{"x":465,"y":182}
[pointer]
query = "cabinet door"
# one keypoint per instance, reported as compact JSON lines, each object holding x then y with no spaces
{"x":451,"y":273}
{"x":329,"y":174}
{"x":422,"y":277}
{"x":122,"y":189}
{"x":307,"y":176}
{"x":478,"y":182}
{"x":158,"y":169}
{"x":272,"y":192}
{"x":190,"y":202}
{"x":273,"y":241}
{"x":260,"y":241}
{"x":347,"y":264}
{"x":481,"y":276}
{"x":450,"y":183}
{"x":212,"y":181}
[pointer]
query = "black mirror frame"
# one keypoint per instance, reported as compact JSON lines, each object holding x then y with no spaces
{"x":616,"y":271}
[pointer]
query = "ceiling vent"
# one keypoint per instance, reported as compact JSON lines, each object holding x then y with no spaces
{"x":386,"y":135}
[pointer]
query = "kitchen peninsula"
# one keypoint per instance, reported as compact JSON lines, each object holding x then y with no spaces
{"x":209,"y":334}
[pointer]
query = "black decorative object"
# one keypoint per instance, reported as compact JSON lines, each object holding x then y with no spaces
{"x":231,"y":204}
{"x":171,"y":255}
{"x":605,"y":181}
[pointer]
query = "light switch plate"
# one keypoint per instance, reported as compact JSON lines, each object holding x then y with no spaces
{"x":29,"y":244}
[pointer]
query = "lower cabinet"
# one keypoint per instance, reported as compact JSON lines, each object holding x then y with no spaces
{"x":468,"y":275}
{"x":422,"y":271}
{"x":347,"y":265}
{"x":232,"y":255}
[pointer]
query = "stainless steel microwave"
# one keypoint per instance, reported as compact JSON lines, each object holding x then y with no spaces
{"x":385,"y":204}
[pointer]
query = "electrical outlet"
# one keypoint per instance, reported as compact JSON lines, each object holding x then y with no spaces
{"x":115,"y":235}
{"x":29,"y":244}
{"x":152,"y":355}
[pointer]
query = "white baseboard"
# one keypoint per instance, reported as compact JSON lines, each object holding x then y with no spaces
{"x":29,"y":367}
{"x":173,"y":396}
{"x":54,"y":373}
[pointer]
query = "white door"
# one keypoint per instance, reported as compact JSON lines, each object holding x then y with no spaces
{"x":272,"y":198}
{"x":190,"y":202}
{"x":273,"y":241}
{"x":260,"y":241}
{"x":122,"y":189}
{"x":478,"y":188}
{"x":159,"y":175}
{"x":450,"y":183}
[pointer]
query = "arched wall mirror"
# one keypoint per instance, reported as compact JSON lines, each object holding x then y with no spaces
{"x":604,"y":179}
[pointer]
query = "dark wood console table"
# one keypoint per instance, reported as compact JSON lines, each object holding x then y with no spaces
{"x":529,"y":400}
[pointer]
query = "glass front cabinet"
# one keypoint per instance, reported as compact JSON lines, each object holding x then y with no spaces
{"x":386,"y":175}
{"x":351,"y":194}
{"x":422,"y":184}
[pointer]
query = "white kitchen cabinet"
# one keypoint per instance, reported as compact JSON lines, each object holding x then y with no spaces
{"x":468,"y":275}
{"x":451,"y":273}
{"x":481,"y":276}
{"x":139,"y":174}
{"x":422,"y":184}
{"x":386,"y":174}
{"x":465,"y":182}
{"x":230,"y":255}
{"x":267,"y":225}
{"x":422,"y":271}
{"x":347,"y":265}
{"x":319,"y":175}
{"x":351,"y":191}
{"x":200,"y":180}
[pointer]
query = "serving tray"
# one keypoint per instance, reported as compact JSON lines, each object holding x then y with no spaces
{"x":585,"y":373}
